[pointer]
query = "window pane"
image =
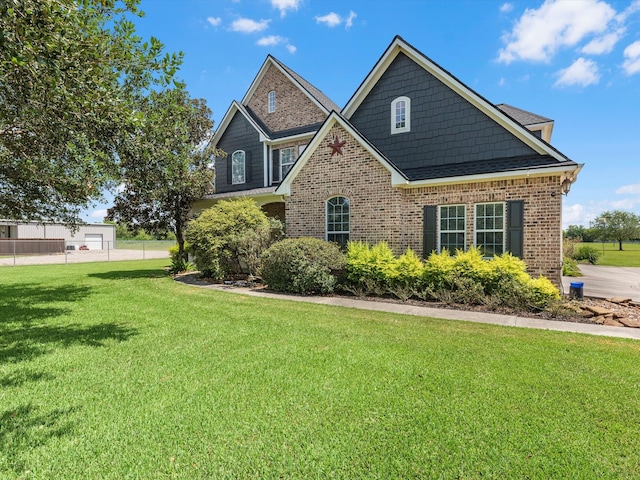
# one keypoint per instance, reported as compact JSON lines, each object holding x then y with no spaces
{"x":338,"y":220}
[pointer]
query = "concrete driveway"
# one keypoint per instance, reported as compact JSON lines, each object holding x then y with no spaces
{"x":607,"y":282}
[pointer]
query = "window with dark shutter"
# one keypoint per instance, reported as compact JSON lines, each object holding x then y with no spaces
{"x":515,"y":227}
{"x":429,"y":232}
{"x":275,"y":165}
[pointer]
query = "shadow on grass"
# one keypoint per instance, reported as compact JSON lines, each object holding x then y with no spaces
{"x":28,"y":302}
{"x":26,"y":428}
{"x":22,"y":376}
{"x":129,"y":274}
{"x":20,"y":344}
{"x":27,"y":327}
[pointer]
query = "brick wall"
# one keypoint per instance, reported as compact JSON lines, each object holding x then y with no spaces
{"x":382,"y":212}
{"x":293,"y":107}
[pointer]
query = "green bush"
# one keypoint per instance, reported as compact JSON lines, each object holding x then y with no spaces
{"x":465,"y":278}
{"x":302,"y":265}
{"x":370,"y":269}
{"x":228,"y":238}
{"x":570,"y":268}
{"x":585,"y":252}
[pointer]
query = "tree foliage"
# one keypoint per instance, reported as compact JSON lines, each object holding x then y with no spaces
{"x":166,"y":165}
{"x":578,"y":232}
{"x":617,"y":225}
{"x":71,"y":75}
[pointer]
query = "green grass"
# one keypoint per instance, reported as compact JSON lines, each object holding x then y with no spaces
{"x":112,"y":370}
{"x":145,"y":244}
{"x":612,"y":257}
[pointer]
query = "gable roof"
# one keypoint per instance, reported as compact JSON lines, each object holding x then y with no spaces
{"x":397,"y":177}
{"x":399,"y":45}
{"x":313,"y":93}
{"x":228,"y":116}
{"x":524,"y":117}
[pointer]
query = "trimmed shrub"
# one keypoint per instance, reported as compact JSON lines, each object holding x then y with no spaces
{"x":370,"y":269}
{"x":302,"y":265}
{"x":228,"y":238}
{"x":466,"y":278}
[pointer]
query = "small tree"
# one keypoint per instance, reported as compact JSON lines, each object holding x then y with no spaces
{"x":617,"y":225}
{"x":228,"y":238}
{"x":166,"y":166}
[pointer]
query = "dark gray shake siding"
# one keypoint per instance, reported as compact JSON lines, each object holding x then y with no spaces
{"x":445,"y":128}
{"x":240,"y":135}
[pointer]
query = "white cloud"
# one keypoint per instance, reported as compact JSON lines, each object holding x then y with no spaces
{"x":349,"y":22}
{"x":284,"y":5}
{"x":502,"y":82}
{"x":98,"y":214}
{"x":631,"y":64}
{"x":603,"y":44}
{"x":540,"y":33}
{"x":214,"y":21}
{"x":274,"y":40}
{"x":271,"y":40}
{"x":581,"y":72}
{"x":333,"y":19}
{"x":246,"y":25}
{"x":629,"y":189}
{"x":330,"y":19}
{"x":506,"y":7}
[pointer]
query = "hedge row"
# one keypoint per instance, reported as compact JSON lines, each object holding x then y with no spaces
{"x":311,"y":266}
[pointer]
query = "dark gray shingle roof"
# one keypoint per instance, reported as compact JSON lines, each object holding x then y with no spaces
{"x":522,"y":116}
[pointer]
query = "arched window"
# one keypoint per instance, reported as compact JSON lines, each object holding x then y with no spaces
{"x":401,"y":115}
{"x":338,"y":220}
{"x":272,"y":101}
{"x":238,"y":167}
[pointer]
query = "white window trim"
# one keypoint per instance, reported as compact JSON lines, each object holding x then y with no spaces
{"x":244,"y":168}
{"x":271,"y":101}
{"x":407,"y":112}
{"x":293,"y":156}
{"x":326,"y":218}
{"x":504,"y":224}
{"x":440,"y":231}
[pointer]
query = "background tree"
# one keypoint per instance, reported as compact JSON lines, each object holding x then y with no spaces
{"x":617,"y":225}
{"x":71,"y":74}
{"x":166,"y":165}
{"x":578,"y":232}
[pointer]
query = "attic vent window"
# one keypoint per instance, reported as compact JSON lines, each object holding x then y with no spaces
{"x":401,"y":115}
{"x":272,"y":101}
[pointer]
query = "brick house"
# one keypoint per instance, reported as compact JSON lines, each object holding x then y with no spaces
{"x":415,"y":158}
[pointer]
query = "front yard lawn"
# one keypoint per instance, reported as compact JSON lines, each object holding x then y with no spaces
{"x":112,"y":370}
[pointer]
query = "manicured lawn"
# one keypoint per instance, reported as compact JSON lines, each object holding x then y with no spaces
{"x":628,"y":257}
{"x":112,"y":370}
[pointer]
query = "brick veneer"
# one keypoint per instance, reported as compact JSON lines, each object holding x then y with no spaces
{"x":293,"y":107}
{"x":382,"y":212}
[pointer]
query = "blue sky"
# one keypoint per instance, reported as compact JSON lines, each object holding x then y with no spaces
{"x":575,"y":61}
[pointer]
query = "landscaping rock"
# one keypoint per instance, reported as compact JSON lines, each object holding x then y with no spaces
{"x":619,"y":300}
{"x":612,"y":323}
{"x":628,"y":322}
{"x":598,"y":310}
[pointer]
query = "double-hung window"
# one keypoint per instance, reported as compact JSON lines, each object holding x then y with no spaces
{"x":452,"y":228}
{"x":287,"y":159}
{"x":338,"y":220}
{"x":238,"y":167}
{"x":271,"y":107}
{"x":401,"y":115}
{"x":490,"y":228}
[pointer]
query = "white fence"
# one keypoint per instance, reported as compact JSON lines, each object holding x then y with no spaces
{"x":37,"y":251}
